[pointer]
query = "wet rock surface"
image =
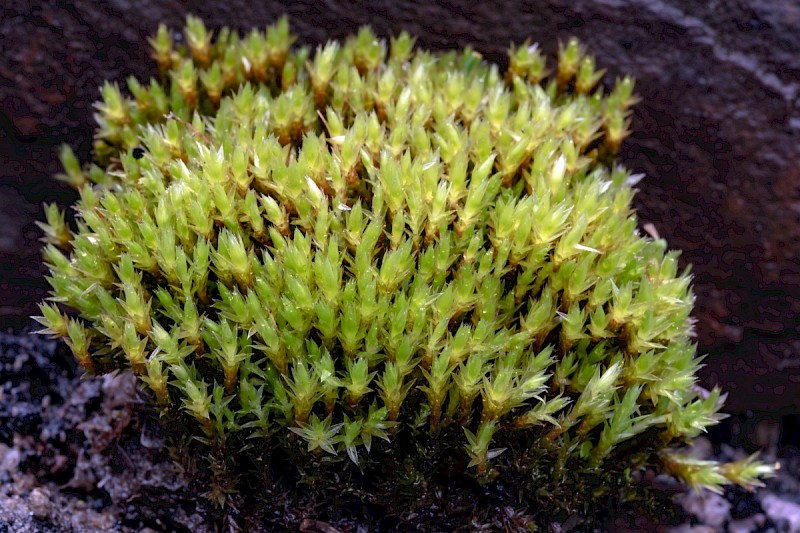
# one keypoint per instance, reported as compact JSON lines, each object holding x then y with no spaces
{"x":717,"y":134}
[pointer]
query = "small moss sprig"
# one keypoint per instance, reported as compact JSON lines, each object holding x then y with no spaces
{"x":350,"y":246}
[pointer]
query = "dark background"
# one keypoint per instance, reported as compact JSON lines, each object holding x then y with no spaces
{"x":717,"y":133}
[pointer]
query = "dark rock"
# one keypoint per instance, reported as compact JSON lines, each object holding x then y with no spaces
{"x":717,"y":134}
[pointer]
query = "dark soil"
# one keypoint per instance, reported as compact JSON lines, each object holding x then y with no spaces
{"x":86,"y":455}
{"x":74,"y":455}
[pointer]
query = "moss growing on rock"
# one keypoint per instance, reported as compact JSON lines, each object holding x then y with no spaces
{"x":378,"y":256}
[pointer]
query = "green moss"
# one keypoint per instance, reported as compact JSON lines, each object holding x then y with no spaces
{"x":377,"y":255}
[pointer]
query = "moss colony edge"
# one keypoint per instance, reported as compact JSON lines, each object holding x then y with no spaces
{"x":371,"y":254}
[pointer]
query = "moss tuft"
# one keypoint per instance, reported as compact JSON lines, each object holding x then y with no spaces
{"x":376,"y":255}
